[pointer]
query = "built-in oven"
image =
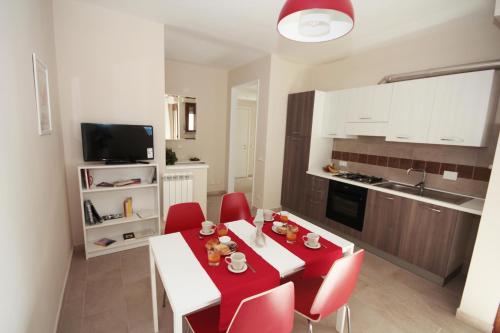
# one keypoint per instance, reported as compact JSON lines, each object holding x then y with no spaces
{"x":346,"y":204}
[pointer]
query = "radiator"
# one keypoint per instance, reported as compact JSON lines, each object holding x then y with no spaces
{"x":177,"y":187}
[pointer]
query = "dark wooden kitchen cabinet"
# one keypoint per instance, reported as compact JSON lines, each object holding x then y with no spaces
{"x":432,"y":238}
{"x":296,"y":185}
{"x":384,"y":217}
{"x":317,"y":198}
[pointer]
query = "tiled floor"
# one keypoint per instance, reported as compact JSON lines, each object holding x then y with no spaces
{"x":112,"y":294}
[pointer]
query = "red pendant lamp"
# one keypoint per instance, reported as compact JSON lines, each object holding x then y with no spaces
{"x":313,"y":21}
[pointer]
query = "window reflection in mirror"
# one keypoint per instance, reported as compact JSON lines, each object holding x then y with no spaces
{"x":180,"y":117}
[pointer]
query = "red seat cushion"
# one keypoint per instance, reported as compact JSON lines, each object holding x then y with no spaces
{"x":306,"y":290}
{"x":205,"y":321}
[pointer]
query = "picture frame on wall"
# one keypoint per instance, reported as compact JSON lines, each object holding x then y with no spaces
{"x":42,"y":93}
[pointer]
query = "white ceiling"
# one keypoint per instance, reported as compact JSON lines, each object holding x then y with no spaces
{"x":230,"y":33}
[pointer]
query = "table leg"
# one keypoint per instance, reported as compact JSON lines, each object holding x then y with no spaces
{"x":341,"y":312}
{"x":178,"y":318}
{"x":153,"y":290}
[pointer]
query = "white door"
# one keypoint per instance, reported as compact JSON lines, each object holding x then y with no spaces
{"x":411,"y":110}
{"x":242,"y":141}
{"x":461,"y":109}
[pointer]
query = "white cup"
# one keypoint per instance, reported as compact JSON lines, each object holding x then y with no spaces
{"x":311,"y":239}
{"x":237,"y":261}
{"x":268,"y":214}
{"x":207,"y":227}
{"x":224,"y":239}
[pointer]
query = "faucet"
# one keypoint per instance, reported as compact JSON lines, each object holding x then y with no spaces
{"x":421,"y":185}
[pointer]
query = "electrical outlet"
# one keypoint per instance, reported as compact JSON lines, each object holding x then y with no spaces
{"x":450,"y":175}
{"x":343,"y":163}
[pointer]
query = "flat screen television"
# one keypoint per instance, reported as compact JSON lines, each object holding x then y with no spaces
{"x":117,"y":143}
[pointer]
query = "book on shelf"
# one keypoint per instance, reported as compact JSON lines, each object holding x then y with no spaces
{"x":120,"y":183}
{"x":104,"y":242}
{"x":127,"y":207}
{"x":91,"y":215}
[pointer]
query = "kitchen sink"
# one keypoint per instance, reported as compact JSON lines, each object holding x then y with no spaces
{"x":427,"y":193}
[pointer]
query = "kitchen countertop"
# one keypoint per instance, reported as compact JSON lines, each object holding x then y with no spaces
{"x":182,"y":165}
{"x":473,"y":206}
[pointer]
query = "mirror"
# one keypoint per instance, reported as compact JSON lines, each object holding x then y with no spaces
{"x":180,"y":117}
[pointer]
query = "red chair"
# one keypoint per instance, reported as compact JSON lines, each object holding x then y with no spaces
{"x":183,"y":216}
{"x":268,"y":312}
{"x":317,"y":298}
{"x":234,"y":207}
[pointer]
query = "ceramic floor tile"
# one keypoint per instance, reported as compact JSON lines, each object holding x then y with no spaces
{"x":113,"y":294}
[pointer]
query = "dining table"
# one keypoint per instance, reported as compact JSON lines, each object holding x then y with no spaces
{"x":188,"y":286}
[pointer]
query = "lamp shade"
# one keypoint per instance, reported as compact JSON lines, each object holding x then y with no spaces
{"x":314,"y":21}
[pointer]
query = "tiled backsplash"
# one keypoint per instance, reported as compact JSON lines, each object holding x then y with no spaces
{"x":376,"y":157}
{"x":464,"y":171}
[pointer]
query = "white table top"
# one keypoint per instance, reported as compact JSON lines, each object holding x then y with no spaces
{"x":187,"y":284}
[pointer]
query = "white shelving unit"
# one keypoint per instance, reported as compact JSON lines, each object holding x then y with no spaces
{"x":109,"y":200}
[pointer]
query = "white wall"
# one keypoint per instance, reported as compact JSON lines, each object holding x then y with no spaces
{"x":36,"y":244}
{"x":258,"y":70}
{"x":286,"y":77}
{"x":209,"y":86}
{"x":111,"y":70}
{"x":481,"y":296}
{"x":468,"y":39}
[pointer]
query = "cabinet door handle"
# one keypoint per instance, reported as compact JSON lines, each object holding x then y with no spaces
{"x":434,"y":209}
{"x":388,"y":198}
{"x":364,"y":118}
{"x":403,"y":137}
{"x":332,"y":134}
{"x":447,"y":139}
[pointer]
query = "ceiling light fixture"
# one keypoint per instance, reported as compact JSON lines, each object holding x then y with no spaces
{"x":313,"y":21}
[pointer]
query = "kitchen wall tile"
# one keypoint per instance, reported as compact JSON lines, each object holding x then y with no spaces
{"x":363,"y":158}
{"x":393,"y":162}
{"x":465,"y":171}
{"x":405,"y":163}
{"x":433,"y":167}
{"x":482,"y":174}
{"x":382,"y":160}
{"x":345,"y":156}
{"x":372,"y":159}
{"x":353,"y":157}
{"x":418,"y":164}
{"x":447,"y":167}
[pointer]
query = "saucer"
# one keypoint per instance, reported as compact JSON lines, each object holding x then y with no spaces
{"x":270,"y":220}
{"x":275,"y":230}
{"x":245,"y":267}
{"x":207,"y":234}
{"x":313,"y":247}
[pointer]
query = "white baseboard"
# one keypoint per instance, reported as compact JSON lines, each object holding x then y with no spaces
{"x":61,"y":297}
{"x":474,"y":322}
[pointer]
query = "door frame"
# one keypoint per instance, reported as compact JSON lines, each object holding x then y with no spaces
{"x":232,"y":134}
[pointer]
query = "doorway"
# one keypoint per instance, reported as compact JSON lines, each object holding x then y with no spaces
{"x":243,"y":129}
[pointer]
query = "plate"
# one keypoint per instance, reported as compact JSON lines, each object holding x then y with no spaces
{"x":271,"y":220}
{"x":245,"y":267}
{"x":275,"y":230}
{"x":312,"y":247}
{"x":207,"y":234}
{"x":233,"y":246}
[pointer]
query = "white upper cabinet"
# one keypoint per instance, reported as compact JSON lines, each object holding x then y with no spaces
{"x":370,"y":104}
{"x":463,"y":107}
{"x":337,"y":105}
{"x":411,"y":110}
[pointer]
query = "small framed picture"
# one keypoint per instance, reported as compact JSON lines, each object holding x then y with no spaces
{"x":128,"y":235}
{"x":41,"y":77}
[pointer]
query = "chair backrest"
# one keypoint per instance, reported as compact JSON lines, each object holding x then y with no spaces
{"x":338,"y":285}
{"x":269,"y":312}
{"x":183,"y":216}
{"x":234,"y":207}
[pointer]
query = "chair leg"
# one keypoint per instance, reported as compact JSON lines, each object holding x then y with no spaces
{"x":310,"y":326}
{"x":164,"y":298}
{"x":348,"y":314}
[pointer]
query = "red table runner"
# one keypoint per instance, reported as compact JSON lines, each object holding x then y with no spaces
{"x":233,"y":287}
{"x":318,"y":261}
